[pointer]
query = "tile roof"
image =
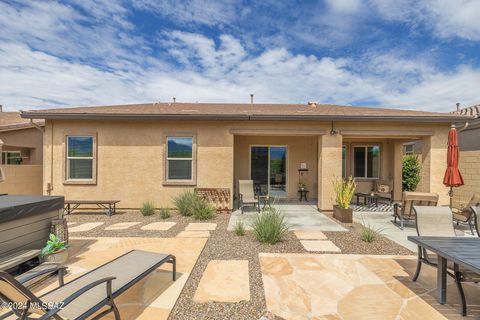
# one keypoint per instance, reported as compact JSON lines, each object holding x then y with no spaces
{"x":469,"y":111}
{"x":237,"y":111}
{"x":13,"y":121}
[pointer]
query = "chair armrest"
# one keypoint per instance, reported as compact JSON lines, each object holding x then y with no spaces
{"x":72,"y":297}
{"x":52,"y":269}
{"x":240,"y":196}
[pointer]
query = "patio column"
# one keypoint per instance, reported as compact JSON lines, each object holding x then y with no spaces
{"x":434,"y":163}
{"x":329,"y":168}
{"x":397,"y":170}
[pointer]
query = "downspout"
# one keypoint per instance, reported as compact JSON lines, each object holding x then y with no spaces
{"x":37,"y":126}
{"x":50,"y":184}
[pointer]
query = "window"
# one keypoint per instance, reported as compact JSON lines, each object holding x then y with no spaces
{"x":11,"y":157}
{"x":344,"y":161}
{"x":366,"y":161}
{"x":179,"y":158}
{"x":80,"y":157}
{"x":408,"y":149}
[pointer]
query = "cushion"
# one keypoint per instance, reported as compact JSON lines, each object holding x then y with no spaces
{"x":384,"y":188}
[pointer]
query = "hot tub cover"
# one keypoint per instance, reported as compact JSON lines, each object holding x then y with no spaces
{"x":14,"y":207}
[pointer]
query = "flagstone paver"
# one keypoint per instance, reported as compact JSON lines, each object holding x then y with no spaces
{"x":158,"y":226}
{"x":224,"y":281}
{"x":319,"y":246}
{"x":70,"y":224}
{"x":194,"y":234}
{"x":310,"y":235}
{"x":121,"y":225}
{"x":195,"y":226}
{"x":85,"y":227}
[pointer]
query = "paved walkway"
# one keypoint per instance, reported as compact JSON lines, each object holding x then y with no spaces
{"x":299,"y":216}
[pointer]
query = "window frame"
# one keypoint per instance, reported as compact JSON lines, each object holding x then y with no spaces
{"x":66,"y":163}
{"x":6,"y":152}
{"x":193,"y":159}
{"x":405,"y":151}
{"x":366,"y":146}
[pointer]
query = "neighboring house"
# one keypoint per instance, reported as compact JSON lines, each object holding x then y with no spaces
{"x":142,"y":152}
{"x":22,"y":154}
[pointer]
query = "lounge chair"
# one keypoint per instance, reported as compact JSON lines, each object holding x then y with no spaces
{"x":404,"y":211}
{"x":437,"y":222}
{"x":85,"y":295}
{"x":465,"y":215}
{"x":384,"y":189}
{"x":247,"y":194}
{"x":476,"y":218}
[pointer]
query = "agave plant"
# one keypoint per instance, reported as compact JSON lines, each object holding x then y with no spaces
{"x":344,"y":190}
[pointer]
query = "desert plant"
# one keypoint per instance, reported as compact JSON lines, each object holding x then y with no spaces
{"x":202,"y":209}
{"x":369,"y":233}
{"x":185,"y":202}
{"x":302,"y":185}
{"x":410,"y":172}
{"x":147,"y":209}
{"x":239,"y":228}
{"x":53,"y":245}
{"x":164,"y":213}
{"x":344,"y":190}
{"x":269,"y":226}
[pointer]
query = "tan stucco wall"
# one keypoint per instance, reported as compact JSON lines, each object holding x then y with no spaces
{"x":299,"y":149}
{"x":22,"y":179}
{"x":131,"y":160}
{"x":470,"y":168}
{"x":28,"y":141}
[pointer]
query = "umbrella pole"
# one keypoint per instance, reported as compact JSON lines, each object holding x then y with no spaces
{"x":450,"y":194}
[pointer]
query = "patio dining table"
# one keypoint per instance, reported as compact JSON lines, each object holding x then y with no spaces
{"x":462,"y":251}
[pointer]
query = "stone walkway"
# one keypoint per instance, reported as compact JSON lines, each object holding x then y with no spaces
{"x":84,"y":227}
{"x":197,"y":230}
{"x":337,"y":286}
{"x":299,"y":216}
{"x":315,"y":241}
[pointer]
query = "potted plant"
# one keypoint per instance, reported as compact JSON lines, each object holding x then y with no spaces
{"x":302,"y":185}
{"x":344,"y":190}
{"x":55,"y":250}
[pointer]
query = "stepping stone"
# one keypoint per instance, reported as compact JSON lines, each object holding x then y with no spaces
{"x":224,"y":281}
{"x":194,"y":234}
{"x":121,"y":225}
{"x":320,"y":246}
{"x":70,"y":224}
{"x":158,"y":226}
{"x":201,"y":227}
{"x":310,"y":235}
{"x":85,"y":227}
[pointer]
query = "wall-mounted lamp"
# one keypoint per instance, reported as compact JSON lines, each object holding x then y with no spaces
{"x":333,"y":132}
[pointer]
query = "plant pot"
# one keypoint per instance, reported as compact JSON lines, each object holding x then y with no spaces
{"x":58,"y":257}
{"x":343,"y":215}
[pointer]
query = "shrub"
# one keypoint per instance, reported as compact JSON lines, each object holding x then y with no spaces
{"x":164,"y":213}
{"x":344,"y":190}
{"x":147,"y":209}
{"x":53,"y":245}
{"x":202,"y":209}
{"x":410,"y":172}
{"x":185,"y":202}
{"x":269,"y":226}
{"x":239,"y":228}
{"x":369,"y":234}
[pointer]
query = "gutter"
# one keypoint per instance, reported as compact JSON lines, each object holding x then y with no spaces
{"x":239,"y":117}
{"x":42,"y":129}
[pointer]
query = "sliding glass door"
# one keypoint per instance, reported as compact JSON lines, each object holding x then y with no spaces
{"x":268,"y":169}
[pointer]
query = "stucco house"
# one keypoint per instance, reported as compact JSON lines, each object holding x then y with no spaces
{"x":154,"y":151}
{"x":21,"y":146}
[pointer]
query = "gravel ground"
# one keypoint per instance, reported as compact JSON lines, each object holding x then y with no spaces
{"x":225,"y":245}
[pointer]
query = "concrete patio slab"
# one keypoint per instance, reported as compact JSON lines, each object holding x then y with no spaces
{"x":319,"y":246}
{"x":199,"y":226}
{"x":338,"y":286}
{"x":158,"y":226}
{"x":121,"y":225}
{"x":224,"y":281}
{"x":85,"y":227}
{"x":299,"y":216}
{"x":310,"y":235}
{"x":194,"y":234}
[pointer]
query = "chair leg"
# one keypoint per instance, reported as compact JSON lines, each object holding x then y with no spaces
{"x":419,"y":265}
{"x":115,"y":311}
{"x":460,"y":291}
{"x":470,"y":224}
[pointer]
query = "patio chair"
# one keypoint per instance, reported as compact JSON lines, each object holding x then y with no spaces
{"x":464,"y":215}
{"x":476,"y":218}
{"x":247,"y":195}
{"x":85,"y":295}
{"x":384,"y":189}
{"x":437,"y":222}
{"x":404,"y":211}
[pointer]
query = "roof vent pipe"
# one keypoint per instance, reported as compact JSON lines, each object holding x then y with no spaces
{"x":251,"y":98}
{"x":458,"y":106}
{"x":174,"y":99}
{"x":1,"y":108}
{"x":312,"y":104}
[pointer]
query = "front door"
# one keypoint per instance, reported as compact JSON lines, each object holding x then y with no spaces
{"x":269,"y":169}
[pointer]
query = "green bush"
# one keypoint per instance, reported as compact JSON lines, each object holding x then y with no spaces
{"x":53,"y":245}
{"x":185,"y":203}
{"x":164,"y":213}
{"x":239,"y":228}
{"x":148,"y":208}
{"x":202,"y":209}
{"x":269,"y":226}
{"x":410,"y":172}
{"x":369,"y":234}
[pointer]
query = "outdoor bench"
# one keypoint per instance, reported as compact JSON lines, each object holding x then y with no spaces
{"x":108,"y":205}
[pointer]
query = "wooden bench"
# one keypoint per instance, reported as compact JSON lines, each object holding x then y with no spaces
{"x":108,"y":205}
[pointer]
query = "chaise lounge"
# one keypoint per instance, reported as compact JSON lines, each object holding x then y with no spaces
{"x":85,"y":295}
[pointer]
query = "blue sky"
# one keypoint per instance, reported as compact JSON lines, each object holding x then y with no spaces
{"x":394,"y":53}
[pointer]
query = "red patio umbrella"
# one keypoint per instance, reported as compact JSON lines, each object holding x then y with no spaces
{"x":453,"y":177}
